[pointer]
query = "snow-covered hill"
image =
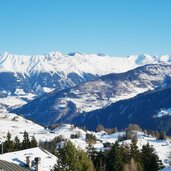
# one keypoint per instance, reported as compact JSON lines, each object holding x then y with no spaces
{"x":23,"y":78}
{"x":65,"y":105}
{"x":16,"y":126}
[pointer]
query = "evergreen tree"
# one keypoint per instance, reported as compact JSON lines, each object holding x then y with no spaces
{"x":150,"y":159}
{"x":125,"y":149}
{"x":100,"y":160}
{"x":17,"y":143}
{"x":91,"y":150}
{"x":52,"y":147}
{"x":33,"y":142}
{"x":26,"y":141}
{"x":115,"y":158}
{"x":71,"y":159}
{"x":134,"y":152}
{"x":8,"y":144}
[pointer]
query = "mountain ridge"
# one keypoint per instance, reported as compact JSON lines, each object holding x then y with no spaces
{"x":25,"y":77}
{"x":141,"y":109}
{"x":65,"y":105}
{"x":53,"y":62}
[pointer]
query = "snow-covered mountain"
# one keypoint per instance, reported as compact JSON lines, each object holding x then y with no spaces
{"x":56,"y":62}
{"x":65,"y":105}
{"x":86,"y":90}
{"x":151,"y":110}
{"x":22,"y":78}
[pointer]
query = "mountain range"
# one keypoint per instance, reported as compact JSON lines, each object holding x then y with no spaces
{"x":25,"y":77}
{"x":73,"y":88}
{"x":80,"y":104}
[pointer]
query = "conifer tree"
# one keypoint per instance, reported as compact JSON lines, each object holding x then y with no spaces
{"x":115,"y":158}
{"x":26,"y":141}
{"x":71,"y":159}
{"x":134,"y":152}
{"x":33,"y":142}
{"x":8,"y":144}
{"x":100,"y":160}
{"x":135,"y":155}
{"x":17,"y":143}
{"x":150,"y":159}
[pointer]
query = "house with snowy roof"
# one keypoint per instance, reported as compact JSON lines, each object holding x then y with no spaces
{"x":33,"y":159}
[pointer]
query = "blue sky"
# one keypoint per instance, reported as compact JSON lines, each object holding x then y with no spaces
{"x":115,"y":27}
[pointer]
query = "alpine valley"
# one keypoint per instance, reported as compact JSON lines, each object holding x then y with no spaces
{"x":88,"y":90}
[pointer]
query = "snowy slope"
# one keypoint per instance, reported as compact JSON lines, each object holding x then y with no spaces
{"x":56,"y":62}
{"x":162,"y":147}
{"x":163,"y":112}
{"x":22,"y":76}
{"x":65,"y":105}
{"x":40,"y":74}
{"x":150,"y":110}
{"x":18,"y":125}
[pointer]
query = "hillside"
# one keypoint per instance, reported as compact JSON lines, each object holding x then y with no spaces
{"x":150,"y":110}
{"x":66,"y":105}
{"x":17,"y":127}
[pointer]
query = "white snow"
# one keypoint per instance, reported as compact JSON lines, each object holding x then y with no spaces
{"x":86,"y":102}
{"x":19,"y":91}
{"x":163,"y":112}
{"x":162,"y":148}
{"x":19,"y":157}
{"x":95,"y":94}
{"x":56,"y":62}
{"x":13,"y":101}
{"x":16,"y":125}
{"x":47,"y":89}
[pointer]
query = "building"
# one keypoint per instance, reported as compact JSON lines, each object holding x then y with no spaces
{"x":36,"y":159}
{"x":7,"y":166}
